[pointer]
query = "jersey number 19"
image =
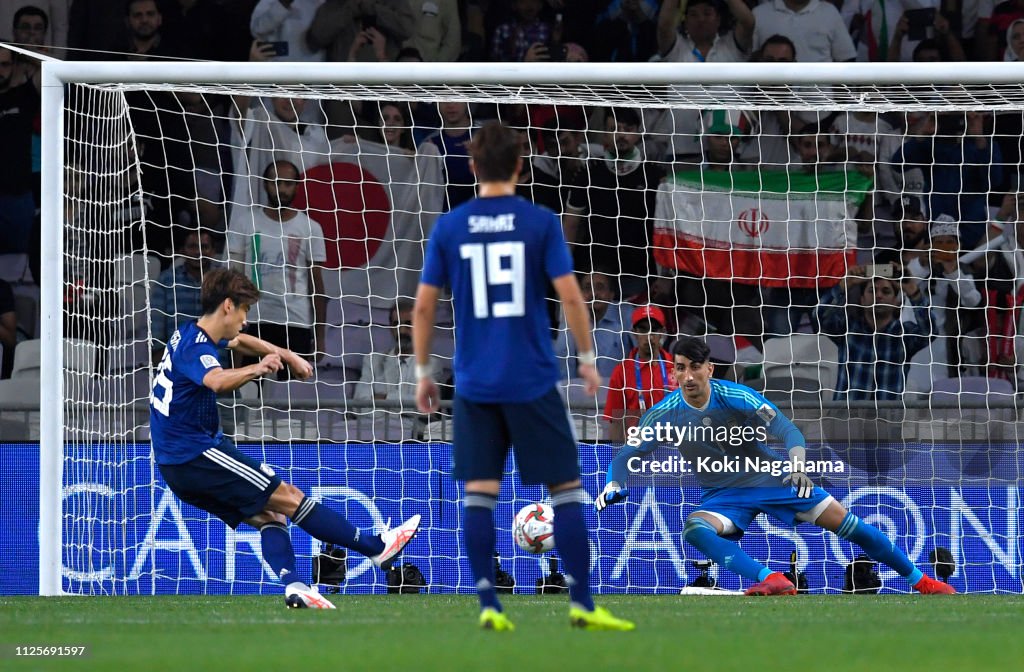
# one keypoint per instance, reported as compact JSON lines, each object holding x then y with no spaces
{"x":487,"y":267}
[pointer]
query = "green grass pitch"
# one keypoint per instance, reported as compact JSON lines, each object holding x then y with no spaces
{"x":433,"y":632}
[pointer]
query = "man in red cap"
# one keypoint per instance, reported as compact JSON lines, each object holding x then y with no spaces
{"x":643,"y":378}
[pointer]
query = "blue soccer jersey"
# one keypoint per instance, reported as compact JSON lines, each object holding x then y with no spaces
{"x":716,"y":440}
{"x":183,"y":419}
{"x":498,"y":254}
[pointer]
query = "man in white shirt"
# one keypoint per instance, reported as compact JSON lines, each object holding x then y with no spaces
{"x":282,"y":249}
{"x":671,"y":131}
{"x":286,"y":21}
{"x":815,"y":27}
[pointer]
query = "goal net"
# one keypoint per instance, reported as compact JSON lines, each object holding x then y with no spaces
{"x":847,"y":243}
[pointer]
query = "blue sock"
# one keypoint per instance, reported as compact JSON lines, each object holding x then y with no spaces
{"x":702,"y":536}
{"x":573,"y":545}
{"x":478,"y":535}
{"x":278,"y":552}
{"x":878,"y":546}
{"x":327,"y":525}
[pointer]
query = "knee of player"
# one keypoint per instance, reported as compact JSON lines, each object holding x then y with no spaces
{"x":695,"y":525}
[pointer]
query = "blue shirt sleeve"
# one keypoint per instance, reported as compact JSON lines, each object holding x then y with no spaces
{"x":768,"y":415}
{"x":195,"y":360}
{"x":435,"y":271}
{"x":557,"y":260}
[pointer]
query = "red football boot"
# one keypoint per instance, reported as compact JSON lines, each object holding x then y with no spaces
{"x":775,"y":583}
{"x":929,"y":586}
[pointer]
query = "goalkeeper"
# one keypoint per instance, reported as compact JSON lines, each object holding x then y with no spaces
{"x":732,"y":494}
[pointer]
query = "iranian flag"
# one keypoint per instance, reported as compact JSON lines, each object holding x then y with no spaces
{"x":770,"y":228}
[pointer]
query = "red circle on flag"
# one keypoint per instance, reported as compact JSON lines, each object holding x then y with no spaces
{"x":351,"y":206}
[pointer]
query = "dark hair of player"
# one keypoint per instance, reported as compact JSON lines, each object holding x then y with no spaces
{"x":495,"y":150}
{"x":224,"y":283}
{"x":694,"y":349}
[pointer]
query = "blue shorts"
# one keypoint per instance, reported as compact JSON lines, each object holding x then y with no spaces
{"x":539,"y":432}
{"x":223,"y":481}
{"x":741,"y":505}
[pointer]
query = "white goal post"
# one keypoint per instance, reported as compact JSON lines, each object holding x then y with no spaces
{"x":899,"y":87}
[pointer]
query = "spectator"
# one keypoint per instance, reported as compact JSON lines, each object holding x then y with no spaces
{"x":54,"y":31}
{"x":175,"y":297}
{"x":145,"y":39}
{"x":1000,"y":22}
{"x":393,"y":127}
{"x":875,"y":346}
{"x":815,"y":150}
{"x":512,"y":39}
{"x":770,"y":146}
{"x":339,"y":23}
{"x":273,"y":130}
{"x":438,"y":35}
{"x":560,"y":169}
{"x":1001,"y":342}
{"x":643,"y":378}
{"x":949,"y":288}
{"x":671,"y":131}
{"x":286,"y":21}
{"x":19,"y":108}
{"x":608,"y":318}
{"x":950,"y":157}
{"x":282,"y":249}
{"x":8,"y":328}
{"x":871,"y":141}
{"x":626,"y":31}
{"x":391,"y":375}
{"x":944,"y":46}
{"x":911,"y":235}
{"x":618,"y":204}
{"x":703,"y":40}
{"x":814,"y":26}
{"x":722,"y":131}
{"x":452,"y":142}
{"x":30,"y":26}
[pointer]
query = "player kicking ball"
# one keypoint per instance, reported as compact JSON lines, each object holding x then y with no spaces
{"x":731,"y":501}
{"x":498,"y":252}
{"x":203,"y":467}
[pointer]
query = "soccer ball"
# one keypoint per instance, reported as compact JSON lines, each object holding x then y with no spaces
{"x":534,"y":528}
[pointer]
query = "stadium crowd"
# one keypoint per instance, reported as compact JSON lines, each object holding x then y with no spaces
{"x":933,"y":185}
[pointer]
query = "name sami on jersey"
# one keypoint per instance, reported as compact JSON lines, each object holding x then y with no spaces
{"x":496,"y":224}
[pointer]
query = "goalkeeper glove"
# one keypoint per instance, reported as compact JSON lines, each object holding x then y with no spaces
{"x":801,"y":484}
{"x":612,"y":494}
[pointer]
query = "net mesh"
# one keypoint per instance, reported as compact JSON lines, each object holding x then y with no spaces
{"x":739,"y":211}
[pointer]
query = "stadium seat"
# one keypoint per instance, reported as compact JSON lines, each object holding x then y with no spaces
{"x":27,"y":356}
{"x":802,"y":356}
{"x":972,"y":388}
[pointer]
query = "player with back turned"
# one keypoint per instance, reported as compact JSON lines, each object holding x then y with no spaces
{"x":730,"y":501}
{"x":498,"y":252}
{"x":204,"y":468}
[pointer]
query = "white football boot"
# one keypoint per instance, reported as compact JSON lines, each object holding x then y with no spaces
{"x":395,"y":540}
{"x":301,"y":596}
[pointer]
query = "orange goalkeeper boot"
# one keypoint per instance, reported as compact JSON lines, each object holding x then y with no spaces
{"x":929,"y":586}
{"x":775,"y":583}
